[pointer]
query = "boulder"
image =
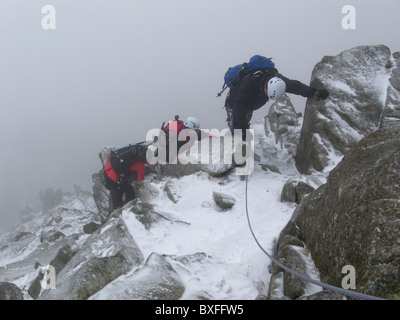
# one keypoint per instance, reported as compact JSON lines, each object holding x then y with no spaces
{"x":223,"y":200}
{"x":293,"y":287}
{"x":357,"y":80}
{"x":26,"y":257}
{"x":9,"y":291}
{"x":295,"y":190}
{"x":156,"y":280}
{"x":101,"y":196}
{"x":91,"y":227}
{"x":353,"y":219}
{"x":270,"y":167}
{"x":61,"y":259}
{"x":146,"y":214}
{"x":391,"y":112}
{"x":284,"y":121}
{"x":106,"y":254}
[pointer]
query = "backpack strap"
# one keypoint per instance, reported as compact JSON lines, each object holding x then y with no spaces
{"x":238,"y":76}
{"x":222,"y":91}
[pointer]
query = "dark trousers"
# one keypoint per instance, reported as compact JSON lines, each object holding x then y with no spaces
{"x":121,"y":193}
{"x":232,"y":121}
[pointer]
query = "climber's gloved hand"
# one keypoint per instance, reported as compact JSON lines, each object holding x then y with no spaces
{"x":321,"y":94}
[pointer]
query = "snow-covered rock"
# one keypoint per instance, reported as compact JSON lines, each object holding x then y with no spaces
{"x":358,"y":81}
{"x":223,"y":200}
{"x":156,"y":248}
{"x":285,"y":123}
{"x":38,"y":240}
{"x":155,"y":280}
{"x":105,"y":255}
{"x":353,"y":219}
{"x":295,"y":190}
{"x":391,"y":112}
{"x":9,"y":291}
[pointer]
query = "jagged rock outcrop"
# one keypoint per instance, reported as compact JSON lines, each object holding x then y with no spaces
{"x":353,"y":219}
{"x":295,"y":190}
{"x":361,"y":100}
{"x":9,"y":291}
{"x":391,"y":112}
{"x":105,"y":255}
{"x":285,"y":283}
{"x":63,"y":256}
{"x":39,"y":239}
{"x":284,"y":122}
{"x":101,"y":196}
{"x":155,"y":280}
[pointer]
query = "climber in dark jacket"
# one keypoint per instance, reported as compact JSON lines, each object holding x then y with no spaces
{"x":255,"y":89}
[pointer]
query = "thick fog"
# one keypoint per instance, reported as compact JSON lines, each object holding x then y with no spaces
{"x":90,"y":74}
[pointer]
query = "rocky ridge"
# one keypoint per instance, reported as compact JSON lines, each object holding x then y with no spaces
{"x":344,"y":197}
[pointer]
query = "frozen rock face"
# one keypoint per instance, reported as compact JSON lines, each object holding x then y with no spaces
{"x":101,"y":196}
{"x":39,"y":239}
{"x":105,"y":255}
{"x":295,"y":190}
{"x":353,"y":219}
{"x":284,"y":122}
{"x":156,"y":280}
{"x":391,"y":112}
{"x":358,"y":82}
{"x":9,"y":291}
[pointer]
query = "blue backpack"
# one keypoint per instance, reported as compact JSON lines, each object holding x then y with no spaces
{"x":236,"y":73}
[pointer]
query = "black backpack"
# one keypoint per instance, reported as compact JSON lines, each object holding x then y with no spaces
{"x":122,"y":158}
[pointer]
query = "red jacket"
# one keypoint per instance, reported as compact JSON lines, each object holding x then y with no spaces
{"x":174,"y":127}
{"x":137,"y":166}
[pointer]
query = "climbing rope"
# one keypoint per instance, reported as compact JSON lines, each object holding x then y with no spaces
{"x":299,"y":275}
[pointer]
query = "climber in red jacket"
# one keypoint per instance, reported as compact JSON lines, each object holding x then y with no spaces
{"x":124,"y":166}
{"x":172,"y":131}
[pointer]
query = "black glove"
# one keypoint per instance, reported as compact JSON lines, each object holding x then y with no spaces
{"x":321,"y":94}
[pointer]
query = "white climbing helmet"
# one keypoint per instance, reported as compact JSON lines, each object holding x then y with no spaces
{"x":275,"y":88}
{"x":192,"y":123}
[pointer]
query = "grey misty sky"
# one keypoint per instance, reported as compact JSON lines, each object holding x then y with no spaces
{"x":112,"y":70}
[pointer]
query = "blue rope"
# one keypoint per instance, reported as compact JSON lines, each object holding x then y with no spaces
{"x":301,"y":276}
